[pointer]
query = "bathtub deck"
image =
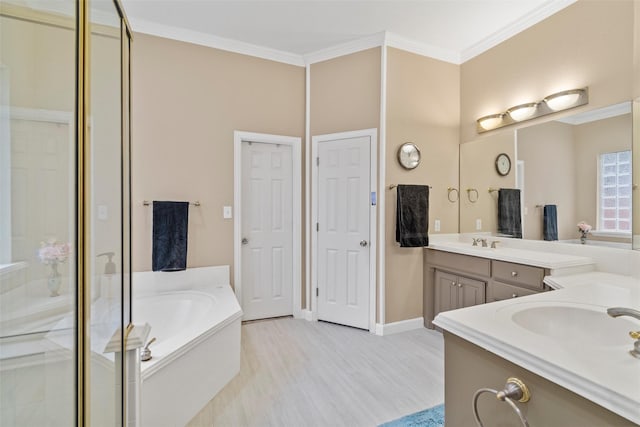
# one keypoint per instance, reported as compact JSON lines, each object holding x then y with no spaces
{"x":299,"y":373}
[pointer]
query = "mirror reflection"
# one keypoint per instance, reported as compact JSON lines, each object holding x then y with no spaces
{"x":580,"y":167}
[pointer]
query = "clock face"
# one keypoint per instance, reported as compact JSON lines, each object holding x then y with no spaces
{"x":503,"y":164}
{"x":409,"y":155}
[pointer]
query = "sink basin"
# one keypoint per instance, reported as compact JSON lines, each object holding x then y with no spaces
{"x":576,"y":323}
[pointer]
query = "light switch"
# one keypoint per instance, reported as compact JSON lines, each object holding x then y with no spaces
{"x":436,"y":225}
{"x":478,"y":224}
{"x":226,"y":212}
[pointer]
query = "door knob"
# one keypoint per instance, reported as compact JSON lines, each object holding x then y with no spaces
{"x":363,"y":243}
{"x":244,"y":241}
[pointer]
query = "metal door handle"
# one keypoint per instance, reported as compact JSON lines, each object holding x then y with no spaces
{"x":244,"y":241}
{"x":363,"y":243}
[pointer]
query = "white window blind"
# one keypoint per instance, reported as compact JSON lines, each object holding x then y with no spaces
{"x":614,"y":210}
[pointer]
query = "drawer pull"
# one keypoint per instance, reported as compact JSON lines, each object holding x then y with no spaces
{"x":459,"y":285}
{"x":514,"y":296}
{"x":514,"y":273}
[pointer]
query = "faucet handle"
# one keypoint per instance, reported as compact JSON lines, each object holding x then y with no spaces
{"x":145,"y":353}
{"x":475,"y":241}
{"x":494,"y":244}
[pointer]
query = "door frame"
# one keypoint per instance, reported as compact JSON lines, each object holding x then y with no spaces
{"x":373,"y":214}
{"x":296,"y":179}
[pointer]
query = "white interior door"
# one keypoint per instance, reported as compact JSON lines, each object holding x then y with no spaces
{"x":266,"y":230}
{"x":343,"y":231}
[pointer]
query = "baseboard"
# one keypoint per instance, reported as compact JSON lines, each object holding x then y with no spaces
{"x":307,"y":315}
{"x":401,"y":326}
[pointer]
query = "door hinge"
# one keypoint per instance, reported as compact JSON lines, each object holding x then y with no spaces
{"x":317,"y":292}
{"x":317,"y":161}
{"x":317,"y":226}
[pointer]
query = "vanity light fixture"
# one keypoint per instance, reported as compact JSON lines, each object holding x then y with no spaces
{"x":523,"y":111}
{"x":491,"y":122}
{"x":553,"y":103}
{"x":563,"y":100}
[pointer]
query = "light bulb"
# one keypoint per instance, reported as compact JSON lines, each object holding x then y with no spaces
{"x":523,"y":111}
{"x":563,"y":100}
{"x":490,"y":122}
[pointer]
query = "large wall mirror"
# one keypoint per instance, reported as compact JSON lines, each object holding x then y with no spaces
{"x":582,"y":163}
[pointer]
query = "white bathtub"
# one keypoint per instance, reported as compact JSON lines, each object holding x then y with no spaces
{"x":195,"y":318}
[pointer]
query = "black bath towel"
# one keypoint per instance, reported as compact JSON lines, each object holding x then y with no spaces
{"x":412,"y":216}
{"x":509,"y":218}
{"x":550,"y":222}
{"x":170,"y":224}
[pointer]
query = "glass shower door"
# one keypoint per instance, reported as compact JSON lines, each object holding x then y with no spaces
{"x":37,"y":209}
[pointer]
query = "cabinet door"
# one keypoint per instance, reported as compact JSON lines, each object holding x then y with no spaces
{"x":446,"y":291}
{"x":472,"y":292}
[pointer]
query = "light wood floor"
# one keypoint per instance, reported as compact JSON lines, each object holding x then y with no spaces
{"x":300,"y":373}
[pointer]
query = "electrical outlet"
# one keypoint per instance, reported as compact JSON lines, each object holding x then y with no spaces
{"x":226,"y":212}
{"x":436,"y":225}
{"x":478,"y":224}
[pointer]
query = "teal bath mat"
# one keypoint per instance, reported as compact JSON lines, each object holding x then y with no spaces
{"x":432,"y":417}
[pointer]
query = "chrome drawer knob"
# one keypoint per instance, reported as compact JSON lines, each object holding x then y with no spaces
{"x":514,"y":273}
{"x":514,"y":296}
{"x":459,"y":285}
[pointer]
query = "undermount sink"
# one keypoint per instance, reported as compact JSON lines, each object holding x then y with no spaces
{"x":589,"y":324}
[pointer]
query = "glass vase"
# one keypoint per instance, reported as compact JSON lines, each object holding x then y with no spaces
{"x":53,"y":281}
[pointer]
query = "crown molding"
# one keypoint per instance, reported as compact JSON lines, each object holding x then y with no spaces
{"x":209,"y":40}
{"x":408,"y":45}
{"x":358,"y":45}
{"x":599,"y":114}
{"x":544,"y":11}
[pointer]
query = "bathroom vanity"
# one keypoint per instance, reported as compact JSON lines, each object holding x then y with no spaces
{"x":573,"y":357}
{"x":457,"y":274}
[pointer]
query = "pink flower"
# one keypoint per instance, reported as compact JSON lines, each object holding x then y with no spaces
{"x":53,"y":253}
{"x":583,"y":227}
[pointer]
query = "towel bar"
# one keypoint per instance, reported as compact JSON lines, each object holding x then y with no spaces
{"x":493,"y":190}
{"x":392,"y":186}
{"x":147,"y":203}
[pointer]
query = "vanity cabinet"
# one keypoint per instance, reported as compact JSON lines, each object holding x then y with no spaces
{"x":453,"y":291}
{"x":453,"y":280}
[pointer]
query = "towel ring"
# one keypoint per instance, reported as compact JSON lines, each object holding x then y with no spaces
{"x":451,"y":190}
{"x":472,"y":190}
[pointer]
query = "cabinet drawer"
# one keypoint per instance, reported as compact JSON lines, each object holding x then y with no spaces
{"x":497,"y":291}
{"x":519,"y":274}
{"x":459,"y":263}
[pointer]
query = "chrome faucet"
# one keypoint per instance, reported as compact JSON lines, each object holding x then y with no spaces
{"x":494,"y":244}
{"x":145,"y":353}
{"x":475,"y":241}
{"x":484,"y":242}
{"x":623,"y":311}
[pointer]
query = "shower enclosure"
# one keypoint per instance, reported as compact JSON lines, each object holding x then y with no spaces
{"x":64,"y":212}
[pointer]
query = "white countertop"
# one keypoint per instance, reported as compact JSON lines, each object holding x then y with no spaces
{"x":552,"y":261}
{"x":604,"y":373}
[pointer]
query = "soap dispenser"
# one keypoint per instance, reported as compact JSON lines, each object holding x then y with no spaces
{"x":106,"y":287}
{"x":110,"y":266}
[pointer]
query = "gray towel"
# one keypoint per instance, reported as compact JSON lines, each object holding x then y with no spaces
{"x":170,"y":225}
{"x":550,"y":223}
{"x":412,"y":216}
{"x":509,"y":219}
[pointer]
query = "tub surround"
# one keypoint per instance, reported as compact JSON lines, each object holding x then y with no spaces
{"x":197,"y":351}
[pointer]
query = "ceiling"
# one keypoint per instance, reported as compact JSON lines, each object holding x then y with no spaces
{"x":458,"y":29}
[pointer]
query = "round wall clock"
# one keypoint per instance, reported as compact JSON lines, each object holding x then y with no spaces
{"x":503,"y":164}
{"x":409,"y":155}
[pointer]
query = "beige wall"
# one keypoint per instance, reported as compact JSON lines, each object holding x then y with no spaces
{"x":477,"y":170}
{"x":345,"y":93}
{"x":423,"y":106}
{"x":549,"y":177}
{"x":590,"y":43}
{"x":591,"y":140}
{"x":187,"y":102}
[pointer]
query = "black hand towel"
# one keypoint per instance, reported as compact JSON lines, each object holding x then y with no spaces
{"x":509,"y":219}
{"x":170,"y":224}
{"x":412,"y":216}
{"x":550,"y":223}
